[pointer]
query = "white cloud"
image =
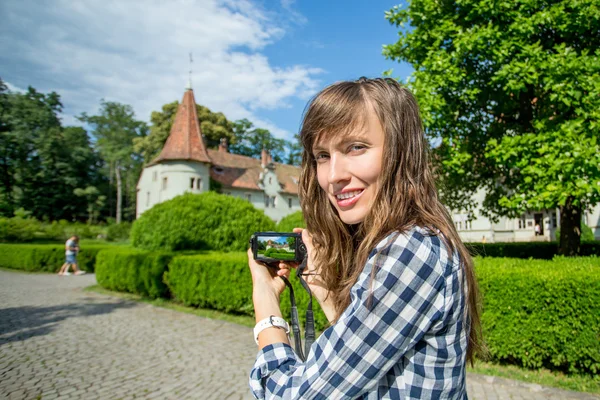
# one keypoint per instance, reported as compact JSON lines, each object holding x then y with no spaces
{"x":136,"y":52}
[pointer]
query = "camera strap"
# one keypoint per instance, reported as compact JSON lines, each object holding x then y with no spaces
{"x":309,"y":328}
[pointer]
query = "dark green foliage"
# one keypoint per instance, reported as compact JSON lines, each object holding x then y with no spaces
{"x":542,"y":313}
{"x":213,"y":280}
{"x":538,"y":250}
{"x":18,"y":229}
{"x":117,"y":232}
{"x":45,"y":257}
{"x":223,"y":282}
{"x":199,"y":221}
{"x":132,"y":270}
{"x":289,"y":222}
{"x":509,"y":90}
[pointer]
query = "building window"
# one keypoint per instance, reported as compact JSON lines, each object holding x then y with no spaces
{"x":554,"y":222}
{"x":273,"y":201}
{"x":154,"y":176}
{"x":147,"y":199}
{"x":198,"y":183}
{"x":191,"y":183}
{"x":522,"y":223}
{"x":529,"y":223}
{"x":164,"y":183}
{"x":270,"y":180}
{"x":249,"y":197}
{"x":290,"y":202}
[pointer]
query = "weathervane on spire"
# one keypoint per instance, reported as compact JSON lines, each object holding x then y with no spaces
{"x":189,"y":85}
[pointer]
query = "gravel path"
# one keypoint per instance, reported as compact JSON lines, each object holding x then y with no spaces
{"x":59,"y":342}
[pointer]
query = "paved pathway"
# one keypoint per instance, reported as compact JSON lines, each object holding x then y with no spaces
{"x":57,"y":341}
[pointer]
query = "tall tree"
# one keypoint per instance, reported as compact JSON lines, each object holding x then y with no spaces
{"x":35,"y":156}
{"x":294,"y":151}
{"x":115,"y":129}
{"x":250,"y":141}
{"x":511,"y":90}
{"x":214,"y":127}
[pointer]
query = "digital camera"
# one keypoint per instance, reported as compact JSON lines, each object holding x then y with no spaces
{"x":272,"y":247}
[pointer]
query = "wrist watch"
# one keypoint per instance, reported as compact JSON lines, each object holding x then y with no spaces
{"x":269,"y":322}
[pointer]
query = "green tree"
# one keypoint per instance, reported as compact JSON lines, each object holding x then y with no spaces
{"x":95,"y":201}
{"x":250,"y":141}
{"x":41,"y":162}
{"x":214,"y":126}
{"x":294,"y":151}
{"x":115,"y":129}
{"x":511,"y":91}
{"x":291,"y":242}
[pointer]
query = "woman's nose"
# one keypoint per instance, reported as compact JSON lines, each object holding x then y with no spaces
{"x":338,"y":169}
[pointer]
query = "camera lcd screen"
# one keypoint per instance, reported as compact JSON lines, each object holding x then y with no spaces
{"x":276,"y":247}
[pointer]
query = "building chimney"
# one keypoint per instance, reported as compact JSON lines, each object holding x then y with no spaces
{"x":223,"y":146}
{"x":265,"y":158}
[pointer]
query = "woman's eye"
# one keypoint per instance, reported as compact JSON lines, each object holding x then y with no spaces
{"x":357,"y":147}
{"x":321,"y":156}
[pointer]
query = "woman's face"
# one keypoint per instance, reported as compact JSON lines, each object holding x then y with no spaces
{"x":348,"y":169}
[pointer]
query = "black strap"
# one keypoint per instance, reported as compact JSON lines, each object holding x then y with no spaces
{"x":309,"y":328}
{"x":295,"y":320}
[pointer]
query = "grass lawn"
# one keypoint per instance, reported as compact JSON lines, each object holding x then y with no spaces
{"x":579,"y":383}
{"x":545,"y":377}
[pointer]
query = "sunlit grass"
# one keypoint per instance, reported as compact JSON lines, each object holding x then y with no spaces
{"x":545,"y":377}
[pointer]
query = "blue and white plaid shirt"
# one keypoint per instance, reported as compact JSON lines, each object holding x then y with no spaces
{"x":408,"y":342}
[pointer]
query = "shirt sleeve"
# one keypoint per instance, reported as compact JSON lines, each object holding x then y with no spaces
{"x":387,"y":316}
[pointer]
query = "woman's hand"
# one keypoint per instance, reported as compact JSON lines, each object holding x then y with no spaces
{"x":266,"y":280}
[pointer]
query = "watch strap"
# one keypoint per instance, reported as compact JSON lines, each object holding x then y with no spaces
{"x":269,"y":322}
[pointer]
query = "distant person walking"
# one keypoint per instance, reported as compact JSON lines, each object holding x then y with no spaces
{"x":71,"y":250}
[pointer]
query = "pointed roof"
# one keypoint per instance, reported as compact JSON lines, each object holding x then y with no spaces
{"x":185,"y":140}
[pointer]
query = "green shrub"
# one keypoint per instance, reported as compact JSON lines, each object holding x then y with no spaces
{"x":587,"y":235}
{"x":118,"y":232}
{"x":288,"y":223}
{"x":56,"y":231}
{"x":538,"y":250}
{"x":45,"y":257}
{"x":132,"y":270}
{"x":223,"y":282}
{"x":18,"y":229}
{"x":199,"y":221}
{"x":542,"y":313}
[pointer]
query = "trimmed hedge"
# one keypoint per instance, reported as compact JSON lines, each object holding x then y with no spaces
{"x":207,"y":221}
{"x":131,"y":270}
{"x":536,"y":313}
{"x":542,"y":313}
{"x":289,"y":222}
{"x":538,"y":250}
{"x":223,"y":282}
{"x":45,"y":257}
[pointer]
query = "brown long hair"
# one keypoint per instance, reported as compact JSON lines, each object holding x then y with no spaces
{"x":406,"y":196}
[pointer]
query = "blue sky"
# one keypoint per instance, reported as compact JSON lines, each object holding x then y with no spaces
{"x":260,"y":60}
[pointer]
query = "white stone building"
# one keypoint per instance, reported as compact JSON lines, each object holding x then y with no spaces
{"x":186,"y":165}
{"x":481,"y":229}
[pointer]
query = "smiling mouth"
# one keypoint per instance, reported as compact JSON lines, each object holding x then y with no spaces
{"x":348,"y":195}
{"x":349,"y":198}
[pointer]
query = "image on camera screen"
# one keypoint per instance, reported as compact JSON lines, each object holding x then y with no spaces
{"x":276,"y":247}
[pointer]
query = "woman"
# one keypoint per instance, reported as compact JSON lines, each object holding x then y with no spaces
{"x":386,"y":264}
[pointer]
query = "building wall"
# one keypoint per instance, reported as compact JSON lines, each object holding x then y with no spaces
{"x":275,"y":204}
{"x":482,"y":229}
{"x":162,"y":182}
{"x":592,"y":219}
{"x":178,"y":176}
